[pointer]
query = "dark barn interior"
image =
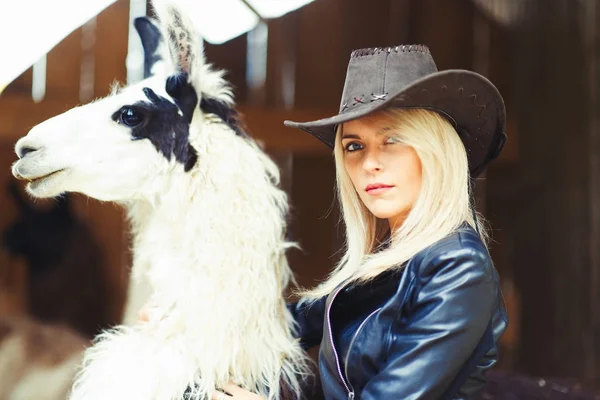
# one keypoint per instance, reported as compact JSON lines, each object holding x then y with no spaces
{"x":541,"y":197}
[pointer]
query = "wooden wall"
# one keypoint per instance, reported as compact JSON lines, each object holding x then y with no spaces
{"x":316,"y":41}
{"x":18,"y":114}
{"x":557,"y":218}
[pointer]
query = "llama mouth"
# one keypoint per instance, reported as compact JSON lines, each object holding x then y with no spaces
{"x":37,"y":179}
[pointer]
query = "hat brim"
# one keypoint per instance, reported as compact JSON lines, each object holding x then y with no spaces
{"x":469,"y":100}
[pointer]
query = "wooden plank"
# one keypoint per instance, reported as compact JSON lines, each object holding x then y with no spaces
{"x":554,"y":264}
{"x":63,"y":67}
{"x":446,"y":27}
{"x":230,"y":57}
{"x":21,"y":85}
{"x":593,"y":60}
{"x":282,"y":62}
{"x":314,"y":219}
{"x":112,"y":29}
{"x":399,"y":21}
{"x":18,"y":114}
{"x":502,"y":199}
{"x":266,"y":125}
{"x":368,"y":24}
{"x":322,"y":57}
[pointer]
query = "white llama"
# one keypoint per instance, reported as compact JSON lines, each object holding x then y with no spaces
{"x":208,"y":223}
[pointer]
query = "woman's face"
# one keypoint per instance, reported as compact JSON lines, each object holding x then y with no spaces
{"x":385,"y":172}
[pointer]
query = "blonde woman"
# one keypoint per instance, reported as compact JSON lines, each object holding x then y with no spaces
{"x":413,"y":310}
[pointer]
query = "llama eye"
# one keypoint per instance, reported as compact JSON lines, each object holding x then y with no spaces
{"x":130,"y":117}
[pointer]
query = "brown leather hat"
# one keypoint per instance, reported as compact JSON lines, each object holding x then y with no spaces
{"x":407,"y":77}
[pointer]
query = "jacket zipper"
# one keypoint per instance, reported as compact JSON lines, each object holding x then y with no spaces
{"x":350,"y":348}
{"x":337,"y":360}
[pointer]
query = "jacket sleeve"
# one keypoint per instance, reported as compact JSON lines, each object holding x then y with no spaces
{"x":308,"y":317}
{"x":477,"y":380}
{"x":431,"y":340}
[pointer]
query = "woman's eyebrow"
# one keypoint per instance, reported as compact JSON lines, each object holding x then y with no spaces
{"x":384,"y":130}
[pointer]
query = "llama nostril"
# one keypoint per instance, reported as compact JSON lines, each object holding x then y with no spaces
{"x":23,"y":151}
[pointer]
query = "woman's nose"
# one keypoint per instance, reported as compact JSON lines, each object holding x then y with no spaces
{"x":372,"y":161}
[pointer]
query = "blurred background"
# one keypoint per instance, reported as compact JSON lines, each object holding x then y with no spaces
{"x":67,"y":261}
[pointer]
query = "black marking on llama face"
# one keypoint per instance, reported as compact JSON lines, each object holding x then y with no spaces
{"x":165,"y":124}
{"x":228,"y":114}
{"x":192,"y":158}
{"x":183,"y":93}
{"x":151,"y":37}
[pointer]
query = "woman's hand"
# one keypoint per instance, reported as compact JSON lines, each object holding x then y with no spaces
{"x":233,"y":392}
{"x":149,"y":313}
{"x":230,"y":391}
{"x":144,"y":313}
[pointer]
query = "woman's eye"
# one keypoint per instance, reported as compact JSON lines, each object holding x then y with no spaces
{"x":130,"y":117}
{"x":353,"y":146}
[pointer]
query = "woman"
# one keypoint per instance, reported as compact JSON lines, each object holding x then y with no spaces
{"x":413,"y":310}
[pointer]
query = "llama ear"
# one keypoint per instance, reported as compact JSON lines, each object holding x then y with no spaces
{"x":153,"y":44}
{"x":184,"y":43}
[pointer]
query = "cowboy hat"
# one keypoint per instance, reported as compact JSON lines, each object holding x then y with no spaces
{"x":407,"y":77}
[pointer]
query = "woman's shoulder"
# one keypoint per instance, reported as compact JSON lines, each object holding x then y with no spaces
{"x":463,"y":248}
{"x":464,"y":238}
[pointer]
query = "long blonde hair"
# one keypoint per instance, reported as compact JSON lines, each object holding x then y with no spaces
{"x":442,"y":206}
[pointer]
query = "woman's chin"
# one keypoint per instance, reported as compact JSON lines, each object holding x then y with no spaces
{"x":394,"y":215}
{"x":386,"y":211}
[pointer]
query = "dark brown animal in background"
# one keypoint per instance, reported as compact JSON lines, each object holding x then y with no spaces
{"x":67,"y":281}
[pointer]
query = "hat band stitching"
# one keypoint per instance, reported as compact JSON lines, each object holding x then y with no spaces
{"x":376,"y":97}
{"x":358,"y":100}
{"x":370,"y":51}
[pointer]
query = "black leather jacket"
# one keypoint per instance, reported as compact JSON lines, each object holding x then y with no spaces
{"x":428,"y":331}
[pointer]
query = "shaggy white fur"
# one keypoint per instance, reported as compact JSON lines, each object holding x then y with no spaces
{"x":209,"y":243}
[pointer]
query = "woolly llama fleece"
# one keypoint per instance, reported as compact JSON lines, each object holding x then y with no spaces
{"x":208,"y":224}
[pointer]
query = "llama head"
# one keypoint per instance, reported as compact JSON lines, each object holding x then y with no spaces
{"x":129,"y":145}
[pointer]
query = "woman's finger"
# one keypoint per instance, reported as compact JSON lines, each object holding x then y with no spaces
{"x":219,"y":395}
{"x":239,"y":393}
{"x":144,"y":313}
{"x":233,"y":389}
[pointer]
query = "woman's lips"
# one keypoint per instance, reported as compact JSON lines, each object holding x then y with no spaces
{"x":377,"y":188}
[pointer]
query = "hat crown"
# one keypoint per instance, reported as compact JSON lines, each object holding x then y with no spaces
{"x":375,"y":73}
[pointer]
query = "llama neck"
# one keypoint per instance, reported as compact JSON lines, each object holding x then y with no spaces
{"x":204,"y":236}
{"x":212,"y":248}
